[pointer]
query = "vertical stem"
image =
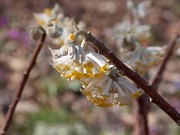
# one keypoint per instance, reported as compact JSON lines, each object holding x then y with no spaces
{"x":12,"y":107}
{"x":158,"y":76}
{"x":143,"y":103}
{"x":141,"y":121}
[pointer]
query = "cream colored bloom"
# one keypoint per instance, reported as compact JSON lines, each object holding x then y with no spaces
{"x":137,"y":56}
{"x":141,"y":59}
{"x":56,"y":24}
{"x":108,"y":90}
{"x":49,"y":14}
{"x":121,"y":30}
{"x":73,"y":62}
{"x":101,"y":82}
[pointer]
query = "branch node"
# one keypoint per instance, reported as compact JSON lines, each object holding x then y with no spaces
{"x":110,"y":52}
{"x":149,"y":84}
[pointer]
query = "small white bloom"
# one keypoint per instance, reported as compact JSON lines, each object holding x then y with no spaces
{"x":43,"y":18}
{"x":120,"y":31}
{"x":142,"y":58}
{"x":56,"y":24}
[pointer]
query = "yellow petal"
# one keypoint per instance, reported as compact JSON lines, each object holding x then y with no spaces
{"x":71,"y":37}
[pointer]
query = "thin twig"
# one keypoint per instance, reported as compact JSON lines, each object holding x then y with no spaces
{"x":134,"y":76}
{"x":17,"y":98}
{"x":143,"y":103}
{"x":158,"y":76}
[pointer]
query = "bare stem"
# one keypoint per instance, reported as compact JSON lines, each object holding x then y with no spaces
{"x":9,"y":116}
{"x":134,"y":76}
{"x":158,"y":76}
{"x":142,"y":105}
{"x":141,"y":127}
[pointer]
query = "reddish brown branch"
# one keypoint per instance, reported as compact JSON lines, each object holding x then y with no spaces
{"x":158,"y":76}
{"x":143,"y":103}
{"x":134,"y":76}
{"x":12,"y":107}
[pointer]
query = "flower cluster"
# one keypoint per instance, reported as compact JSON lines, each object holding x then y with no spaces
{"x":56,"y":24}
{"x":142,"y":58}
{"x":121,"y":30}
{"x":131,"y":50}
{"x":132,"y":39}
{"x":102,"y":83}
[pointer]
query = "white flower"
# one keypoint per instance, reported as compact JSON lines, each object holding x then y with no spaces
{"x":49,"y":14}
{"x":56,"y":24}
{"x":142,"y":58}
{"x":133,"y":53}
{"x":73,"y":62}
{"x":109,"y":90}
{"x":121,"y":30}
{"x":101,"y":82}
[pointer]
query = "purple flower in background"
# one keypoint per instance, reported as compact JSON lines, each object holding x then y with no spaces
{"x":3,"y":21}
{"x":14,"y":34}
{"x":19,"y":35}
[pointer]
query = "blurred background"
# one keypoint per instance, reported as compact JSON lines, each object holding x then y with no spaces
{"x":52,"y":106}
